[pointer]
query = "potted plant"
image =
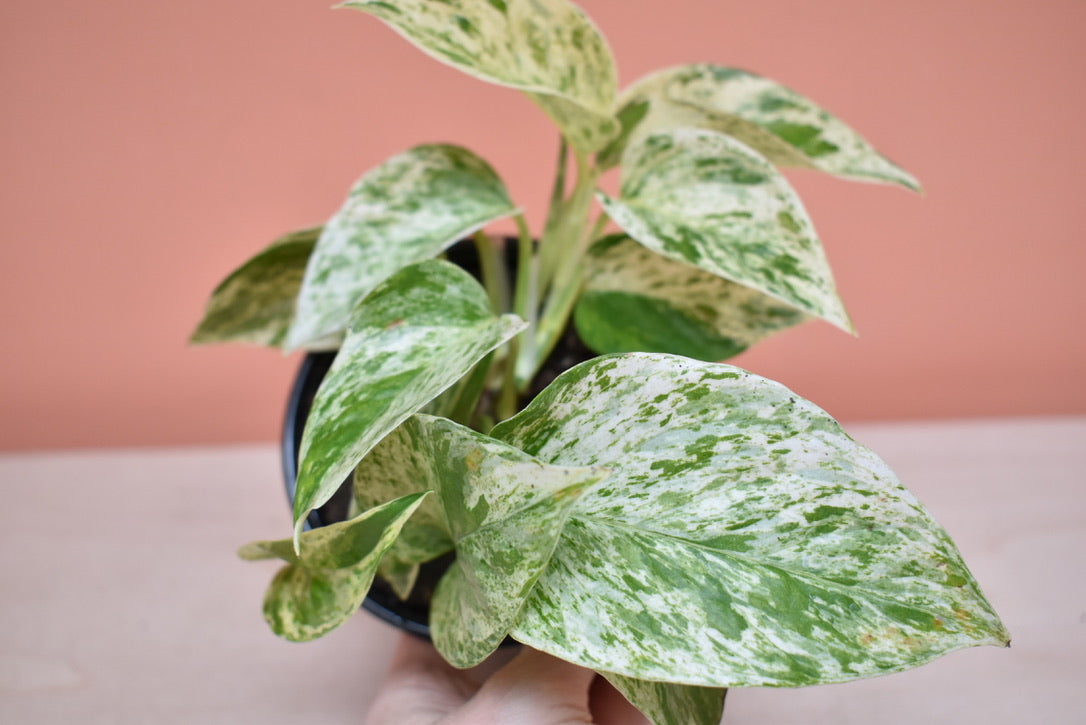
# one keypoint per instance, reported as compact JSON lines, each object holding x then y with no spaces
{"x":675,"y":523}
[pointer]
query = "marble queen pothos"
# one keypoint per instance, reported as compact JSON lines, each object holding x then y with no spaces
{"x":675,"y":523}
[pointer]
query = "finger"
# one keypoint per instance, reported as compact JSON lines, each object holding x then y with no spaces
{"x":485,"y":670}
{"x":609,"y":707}
{"x":420,"y":688}
{"x":533,"y":689}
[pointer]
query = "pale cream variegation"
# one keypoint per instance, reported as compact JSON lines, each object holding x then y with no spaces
{"x":636,"y":300}
{"x":411,"y":338}
{"x":665,"y":703}
{"x":255,"y":304}
{"x":478,"y":600}
{"x":679,"y":526}
{"x":547,"y":48}
{"x":324,"y":585}
{"x":394,"y":468}
{"x":400,"y":576}
{"x":781,"y":124}
{"x":703,"y":198}
{"x":410,"y":208}
{"x":742,"y":538}
{"x":504,"y":510}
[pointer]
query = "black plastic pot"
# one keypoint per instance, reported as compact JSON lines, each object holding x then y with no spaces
{"x":411,"y":615}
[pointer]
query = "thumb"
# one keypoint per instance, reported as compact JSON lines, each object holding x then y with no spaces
{"x":533,"y":689}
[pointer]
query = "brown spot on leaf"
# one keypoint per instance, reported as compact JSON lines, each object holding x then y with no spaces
{"x":474,"y":459}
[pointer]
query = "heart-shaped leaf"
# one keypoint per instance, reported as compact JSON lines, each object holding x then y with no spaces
{"x":704,"y":199}
{"x":505,"y":511}
{"x":665,"y":703}
{"x":415,"y":335}
{"x":636,"y":300}
{"x":785,"y":127}
{"x":410,"y":208}
{"x":255,"y":304}
{"x":321,"y":587}
{"x":395,"y":467}
{"x":547,"y":48}
{"x":741,"y":538}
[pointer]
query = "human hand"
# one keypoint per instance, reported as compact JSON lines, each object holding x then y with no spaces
{"x":532,"y":688}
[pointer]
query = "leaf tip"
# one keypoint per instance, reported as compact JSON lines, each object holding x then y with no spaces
{"x":514,"y":323}
{"x":841,"y":319}
{"x":294,"y":340}
{"x":907,"y":180}
{"x":1003,"y":637}
{"x":851,"y":329}
{"x":569,"y":494}
{"x":252,"y":551}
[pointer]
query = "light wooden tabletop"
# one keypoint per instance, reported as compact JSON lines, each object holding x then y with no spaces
{"x":122,"y":601}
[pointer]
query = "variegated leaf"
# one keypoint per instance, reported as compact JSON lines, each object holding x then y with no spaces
{"x":547,"y":48}
{"x":255,"y":304}
{"x":585,"y":130}
{"x":741,"y":539}
{"x":393,"y":468}
{"x":410,"y":208}
{"x":785,"y":127}
{"x":505,"y":510}
{"x":399,"y":575}
{"x":705,"y":199}
{"x":636,"y":300}
{"x":478,"y":600}
{"x":415,"y":335}
{"x":321,"y":587}
{"x":665,"y":703}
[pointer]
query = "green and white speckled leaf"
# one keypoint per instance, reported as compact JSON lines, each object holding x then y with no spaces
{"x":704,"y":199}
{"x":395,"y":467}
{"x":255,"y":304}
{"x":410,"y":208}
{"x":636,"y":300}
{"x":323,"y":586}
{"x":665,"y":703}
{"x":548,"y":48}
{"x":414,"y":336}
{"x":505,"y":511}
{"x":401,"y":577}
{"x":785,"y":127}
{"x":742,"y":538}
{"x":480,"y":596}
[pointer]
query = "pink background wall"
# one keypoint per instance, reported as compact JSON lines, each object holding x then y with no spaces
{"x":147,"y":148}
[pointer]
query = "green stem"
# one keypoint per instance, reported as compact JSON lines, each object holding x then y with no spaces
{"x":525,"y":300}
{"x":576,"y":219}
{"x":556,"y":318}
{"x":526,"y":306}
{"x":494,"y":278}
{"x":558,"y":191}
{"x":597,"y":229}
{"x":467,"y":398}
{"x":569,"y":243}
{"x":569,"y":225}
{"x":506,"y":406}
{"x":568,"y":289}
{"x":556,"y":212}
